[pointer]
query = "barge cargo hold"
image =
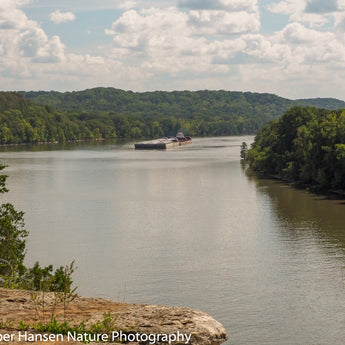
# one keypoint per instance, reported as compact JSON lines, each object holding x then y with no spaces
{"x":164,"y":143}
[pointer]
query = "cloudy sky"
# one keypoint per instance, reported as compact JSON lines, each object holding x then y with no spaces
{"x":293,"y":48}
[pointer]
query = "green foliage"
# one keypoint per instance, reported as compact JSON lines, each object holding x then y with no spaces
{"x":104,"y":326}
{"x":38,"y":278}
{"x":55,"y":327}
{"x":306,"y":145}
{"x":62,"y":279}
{"x":3,"y":179}
{"x":4,"y":324}
{"x":107,"y":325}
{"x":41,"y":280}
{"x":22,"y":121}
{"x":22,"y":326}
{"x":12,"y":239}
{"x":154,"y":114}
{"x":244,"y":151}
{"x":62,"y":285}
{"x":324,"y":103}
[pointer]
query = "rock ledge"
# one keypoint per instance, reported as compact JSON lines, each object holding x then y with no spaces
{"x":18,"y":305}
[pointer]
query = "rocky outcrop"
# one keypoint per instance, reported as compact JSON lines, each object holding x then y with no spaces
{"x":155,"y":319}
{"x":135,"y":321}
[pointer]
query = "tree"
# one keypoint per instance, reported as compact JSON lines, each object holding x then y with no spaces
{"x":12,"y":238}
{"x":305,"y":145}
{"x":244,"y":151}
{"x":62,"y":285}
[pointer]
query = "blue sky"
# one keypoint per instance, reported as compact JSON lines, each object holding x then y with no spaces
{"x":293,"y":48}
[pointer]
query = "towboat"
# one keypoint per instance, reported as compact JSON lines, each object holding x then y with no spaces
{"x":164,"y":143}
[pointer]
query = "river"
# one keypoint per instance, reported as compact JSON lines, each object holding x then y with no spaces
{"x":188,"y":227}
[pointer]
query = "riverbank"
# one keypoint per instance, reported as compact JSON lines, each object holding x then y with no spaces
{"x":329,"y":193}
{"x":54,"y":142}
{"x":314,"y":189}
{"x":21,"y":306}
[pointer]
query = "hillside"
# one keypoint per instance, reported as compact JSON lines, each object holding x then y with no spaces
{"x":23,"y":121}
{"x":200,"y":113}
{"x":323,"y":103}
{"x":29,"y":117}
{"x":188,"y":103}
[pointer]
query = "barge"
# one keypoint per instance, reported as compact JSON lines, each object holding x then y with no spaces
{"x":164,"y":143}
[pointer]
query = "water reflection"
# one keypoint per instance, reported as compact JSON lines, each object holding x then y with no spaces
{"x":302,"y":212}
{"x":304,"y":235}
{"x":83,"y":145}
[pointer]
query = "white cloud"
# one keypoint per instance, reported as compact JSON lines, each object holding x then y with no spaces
{"x":206,"y":22}
{"x":310,"y":47}
{"x":99,"y":5}
{"x":341,"y":5}
{"x":151,"y":28}
{"x":316,"y":13}
{"x":169,"y":31}
{"x":21,"y":38}
{"x":10,"y":16}
{"x":340,"y":27}
{"x":228,"y":5}
{"x":29,"y":57}
{"x":127,"y":4}
{"x":288,"y":6}
{"x":296,"y":33}
{"x":61,"y":17}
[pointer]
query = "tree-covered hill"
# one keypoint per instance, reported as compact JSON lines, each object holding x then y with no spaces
{"x":176,"y":103}
{"x":198,"y":113}
{"x":306,"y":145}
{"x":323,"y":103}
{"x":152,"y":114}
{"x":108,"y":113}
{"x":23,"y":121}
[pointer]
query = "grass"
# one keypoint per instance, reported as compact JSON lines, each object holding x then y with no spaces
{"x":104,"y":326}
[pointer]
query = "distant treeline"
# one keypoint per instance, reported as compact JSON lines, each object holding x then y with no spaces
{"x":32,"y":117}
{"x":22,"y":121}
{"x":305,"y":145}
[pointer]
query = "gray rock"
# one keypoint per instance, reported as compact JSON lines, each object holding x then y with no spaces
{"x":153,"y":319}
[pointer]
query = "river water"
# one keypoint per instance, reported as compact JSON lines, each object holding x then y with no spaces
{"x":188,"y":227}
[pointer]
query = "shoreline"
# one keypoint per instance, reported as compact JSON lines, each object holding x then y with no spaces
{"x":314,"y":189}
{"x":53,"y":142}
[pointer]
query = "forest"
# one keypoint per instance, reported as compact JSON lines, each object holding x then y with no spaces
{"x":306,"y":145}
{"x":34,"y":117}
